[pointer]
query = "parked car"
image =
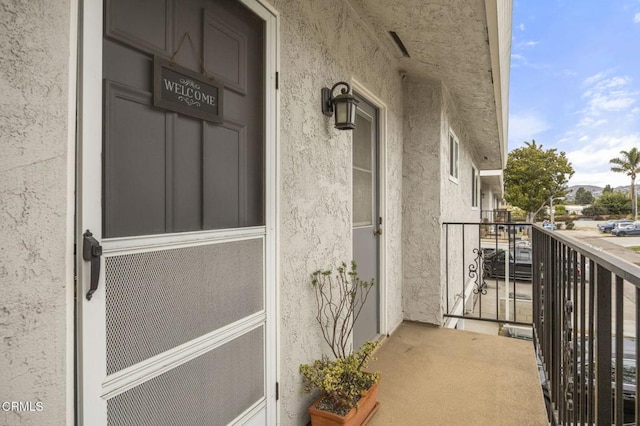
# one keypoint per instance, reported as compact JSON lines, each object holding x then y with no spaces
{"x":611,"y":224}
{"x":626,"y":229}
{"x":519,"y":265}
{"x":549,"y":226}
{"x":628,"y":377}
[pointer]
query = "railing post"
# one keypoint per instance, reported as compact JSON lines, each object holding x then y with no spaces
{"x":619,"y":304}
{"x":603,"y":347}
{"x":583,"y":330}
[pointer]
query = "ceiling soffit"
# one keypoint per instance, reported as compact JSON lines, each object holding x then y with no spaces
{"x":448,"y":41}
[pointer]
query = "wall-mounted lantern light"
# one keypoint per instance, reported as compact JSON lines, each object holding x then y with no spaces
{"x":343,"y":106}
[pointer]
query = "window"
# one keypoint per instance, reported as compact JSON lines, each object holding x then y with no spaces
{"x":453,"y":155}
{"x":475,"y":186}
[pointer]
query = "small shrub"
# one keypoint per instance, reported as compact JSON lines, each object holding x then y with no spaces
{"x":339,"y":300}
{"x":342,"y":379}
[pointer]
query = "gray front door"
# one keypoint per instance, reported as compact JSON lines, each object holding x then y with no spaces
{"x":367,"y":223}
{"x":181,"y":328}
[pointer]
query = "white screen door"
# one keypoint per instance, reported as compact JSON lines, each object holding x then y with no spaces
{"x":177,"y":325}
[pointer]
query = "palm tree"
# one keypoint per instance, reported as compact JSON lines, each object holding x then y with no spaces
{"x":629,"y":164}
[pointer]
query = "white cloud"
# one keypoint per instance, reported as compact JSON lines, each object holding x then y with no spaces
{"x":521,"y":27}
{"x":595,"y":78}
{"x":591,"y":122}
{"x":614,"y":82}
{"x":591,"y":160}
{"x":600,"y":179}
{"x":530,"y":43}
{"x":606,"y":94}
{"x":612,"y":102}
{"x":518,"y":59}
{"x":636,"y":18}
{"x":525,"y":126}
{"x":598,"y":85}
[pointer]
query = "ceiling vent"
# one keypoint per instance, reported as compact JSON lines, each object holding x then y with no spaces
{"x":399,"y":43}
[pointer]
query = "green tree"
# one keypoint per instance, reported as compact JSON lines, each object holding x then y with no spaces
{"x":607,"y":188}
{"x":584,"y":197}
{"x":614,"y":203}
{"x":594,"y":210}
{"x":629,"y":164}
{"x":534,"y":175}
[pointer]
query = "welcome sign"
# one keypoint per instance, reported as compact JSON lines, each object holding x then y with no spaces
{"x":181,"y":90}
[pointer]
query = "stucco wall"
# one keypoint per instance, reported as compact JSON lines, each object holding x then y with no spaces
{"x":432,"y":198}
{"x":459,"y":254}
{"x":322,"y":43}
{"x":422,"y":199}
{"x":456,"y":206}
{"x":34,"y":253}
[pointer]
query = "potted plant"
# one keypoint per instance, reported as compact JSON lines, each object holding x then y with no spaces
{"x":349,"y":392}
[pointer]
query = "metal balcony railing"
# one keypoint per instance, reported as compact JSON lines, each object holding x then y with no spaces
{"x":496,"y":215}
{"x":482,"y":282}
{"x":581,"y":302}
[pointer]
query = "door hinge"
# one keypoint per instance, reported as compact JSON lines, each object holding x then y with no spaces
{"x":277,"y":80}
{"x":277,"y":391}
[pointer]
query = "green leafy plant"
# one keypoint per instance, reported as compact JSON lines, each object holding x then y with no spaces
{"x":340,"y":298}
{"x":342,"y":379}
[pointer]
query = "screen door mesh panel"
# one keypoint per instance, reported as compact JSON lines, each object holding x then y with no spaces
{"x":158,"y":300}
{"x":212,"y":389}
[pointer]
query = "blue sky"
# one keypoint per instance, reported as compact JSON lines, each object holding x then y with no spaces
{"x":575,"y":82}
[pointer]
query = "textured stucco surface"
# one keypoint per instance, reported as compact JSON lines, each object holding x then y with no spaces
{"x":34,"y":47}
{"x":421,"y":198}
{"x":432,"y":198}
{"x":315,"y":173}
{"x":456,"y":205}
{"x":447,"y":41}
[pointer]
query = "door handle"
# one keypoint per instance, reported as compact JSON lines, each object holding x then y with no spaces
{"x":377,"y":231}
{"x":91,"y":252}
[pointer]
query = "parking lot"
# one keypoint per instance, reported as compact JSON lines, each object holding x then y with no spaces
{"x":587,"y":231}
{"x":486,"y":306}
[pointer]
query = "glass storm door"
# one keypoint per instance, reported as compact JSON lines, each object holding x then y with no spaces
{"x":367,"y":226}
{"x":180,"y":328}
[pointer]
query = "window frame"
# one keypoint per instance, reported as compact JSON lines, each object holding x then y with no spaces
{"x":454,"y":157}
{"x":475,"y":187}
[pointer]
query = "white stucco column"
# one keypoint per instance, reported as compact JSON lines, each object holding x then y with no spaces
{"x":36,"y":213}
{"x":421,"y":236}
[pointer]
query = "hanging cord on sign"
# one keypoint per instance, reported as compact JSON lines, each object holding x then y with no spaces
{"x":187,"y":35}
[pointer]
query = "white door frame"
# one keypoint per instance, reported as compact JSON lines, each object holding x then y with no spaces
{"x":382,"y":194}
{"x":89,"y":216}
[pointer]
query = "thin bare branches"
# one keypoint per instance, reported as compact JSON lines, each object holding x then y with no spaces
{"x":339,"y":300}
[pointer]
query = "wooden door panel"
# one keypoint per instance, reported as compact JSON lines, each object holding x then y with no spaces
{"x":134,"y":161}
{"x":226,"y":59}
{"x":147,"y":25}
{"x":186,"y":179}
{"x":210,"y":179}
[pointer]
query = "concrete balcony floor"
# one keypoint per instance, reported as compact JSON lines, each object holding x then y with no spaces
{"x":439,"y":376}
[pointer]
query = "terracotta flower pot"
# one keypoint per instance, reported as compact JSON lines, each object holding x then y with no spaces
{"x":359,"y":415}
